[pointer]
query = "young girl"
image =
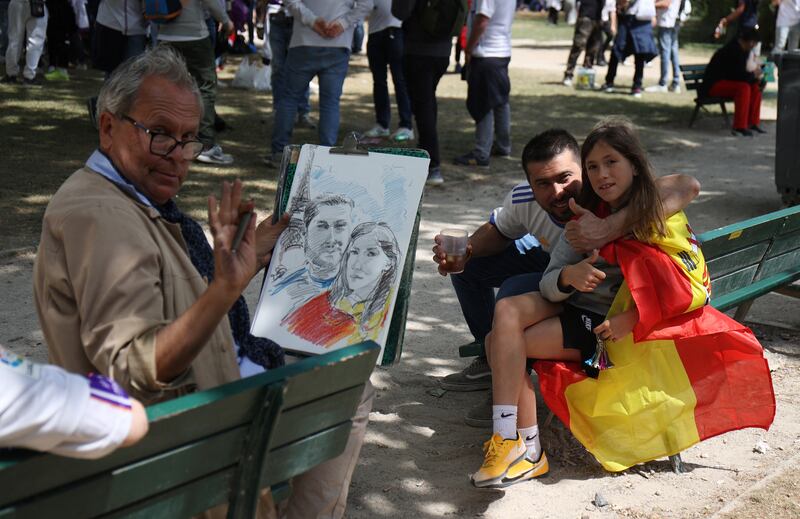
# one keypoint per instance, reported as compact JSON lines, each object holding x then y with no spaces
{"x":616,"y":174}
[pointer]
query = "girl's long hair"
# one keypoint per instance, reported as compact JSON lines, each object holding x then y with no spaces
{"x":645,"y":212}
{"x":377,"y":299}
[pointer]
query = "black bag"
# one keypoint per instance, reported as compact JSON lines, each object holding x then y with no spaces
{"x":37,"y":8}
{"x":443,"y":18}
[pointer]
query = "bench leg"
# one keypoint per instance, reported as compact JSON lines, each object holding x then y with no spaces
{"x":694,"y":114}
{"x":725,"y":115}
{"x":677,"y":463}
{"x":742,"y":309}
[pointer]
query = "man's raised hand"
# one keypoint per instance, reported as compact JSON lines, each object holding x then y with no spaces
{"x":587,"y":232}
{"x":232,"y":270}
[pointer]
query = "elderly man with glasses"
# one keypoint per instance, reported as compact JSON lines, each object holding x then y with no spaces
{"x":127,"y":285}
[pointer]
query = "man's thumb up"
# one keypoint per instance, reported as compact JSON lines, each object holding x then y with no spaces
{"x":575,"y":208}
{"x":593,"y":258}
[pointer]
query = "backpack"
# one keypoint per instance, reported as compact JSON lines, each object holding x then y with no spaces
{"x":162,"y":11}
{"x":443,"y":18}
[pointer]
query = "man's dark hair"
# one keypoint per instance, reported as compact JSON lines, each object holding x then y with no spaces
{"x":312,"y":207}
{"x":547,"y":145}
{"x":749,"y":34}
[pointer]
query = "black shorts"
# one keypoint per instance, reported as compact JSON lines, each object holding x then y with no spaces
{"x":577,"y":325}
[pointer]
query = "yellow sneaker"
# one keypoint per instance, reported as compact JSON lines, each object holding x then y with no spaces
{"x":525,"y":469}
{"x":501,"y":454}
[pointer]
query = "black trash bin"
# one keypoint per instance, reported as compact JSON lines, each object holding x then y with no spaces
{"x":787,"y":142}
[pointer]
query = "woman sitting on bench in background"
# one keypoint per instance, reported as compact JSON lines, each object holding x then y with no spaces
{"x":732,"y":73}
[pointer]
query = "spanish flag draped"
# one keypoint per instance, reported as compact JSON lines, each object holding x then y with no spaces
{"x":685,"y":374}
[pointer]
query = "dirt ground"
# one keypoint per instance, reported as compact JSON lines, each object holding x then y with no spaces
{"x":418,"y":452}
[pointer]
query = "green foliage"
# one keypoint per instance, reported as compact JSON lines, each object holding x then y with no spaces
{"x":707,"y":13}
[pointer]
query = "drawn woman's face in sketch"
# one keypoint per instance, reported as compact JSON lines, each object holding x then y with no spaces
{"x":366,"y":261}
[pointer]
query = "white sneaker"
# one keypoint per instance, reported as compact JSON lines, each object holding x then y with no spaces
{"x":403,"y":134}
{"x":656,"y":88}
{"x":675,"y":89}
{"x":377,"y":131}
{"x":215,"y":155}
{"x":567,"y":82}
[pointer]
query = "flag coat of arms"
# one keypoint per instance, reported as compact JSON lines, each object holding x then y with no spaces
{"x":687,"y":372}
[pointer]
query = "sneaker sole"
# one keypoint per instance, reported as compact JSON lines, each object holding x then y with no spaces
{"x":494,"y":482}
{"x":507,"y":482}
{"x":212,"y":161}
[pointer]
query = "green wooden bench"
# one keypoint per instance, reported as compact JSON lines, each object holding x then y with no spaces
{"x":752,"y":258}
{"x":746,"y":260}
{"x":693,"y":79}
{"x":204,"y":449}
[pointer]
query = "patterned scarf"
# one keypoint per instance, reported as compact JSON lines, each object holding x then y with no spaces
{"x":263,"y":352}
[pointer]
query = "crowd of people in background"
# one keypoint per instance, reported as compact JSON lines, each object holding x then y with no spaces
{"x":307,"y":39}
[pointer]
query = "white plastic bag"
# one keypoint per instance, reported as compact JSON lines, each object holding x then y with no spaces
{"x":245,"y":75}
{"x":253,"y":75}
{"x":263,"y":79}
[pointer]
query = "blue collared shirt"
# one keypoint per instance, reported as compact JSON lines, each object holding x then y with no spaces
{"x":101,"y":163}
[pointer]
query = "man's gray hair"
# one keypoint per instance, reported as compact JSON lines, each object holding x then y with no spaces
{"x":119,"y":92}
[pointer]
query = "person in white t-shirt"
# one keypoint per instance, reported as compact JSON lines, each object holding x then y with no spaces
{"x":669,"y":25}
{"x":487,"y":55}
{"x":787,"y":26}
{"x":45,"y":408}
{"x":322,"y":35}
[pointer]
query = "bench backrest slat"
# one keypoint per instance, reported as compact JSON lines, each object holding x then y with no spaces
{"x":313,"y":416}
{"x":288,"y":460}
{"x":779,"y":264}
{"x":731,"y":282}
{"x":204,"y":492}
{"x":693,"y":75}
{"x":737,"y":259}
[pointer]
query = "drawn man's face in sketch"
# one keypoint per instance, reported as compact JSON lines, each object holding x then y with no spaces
{"x":366,"y":261}
{"x":326,"y":237}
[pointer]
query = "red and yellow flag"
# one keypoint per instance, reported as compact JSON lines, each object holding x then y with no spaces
{"x":687,"y":372}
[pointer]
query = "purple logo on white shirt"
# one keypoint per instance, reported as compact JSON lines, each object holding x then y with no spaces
{"x":108,"y":391}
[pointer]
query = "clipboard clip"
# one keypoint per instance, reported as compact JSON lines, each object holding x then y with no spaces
{"x":350,"y":146}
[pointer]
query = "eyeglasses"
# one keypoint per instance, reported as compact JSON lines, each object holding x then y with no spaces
{"x":162,"y":144}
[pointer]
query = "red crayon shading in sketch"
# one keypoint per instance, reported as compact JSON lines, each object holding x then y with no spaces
{"x":355,"y":307}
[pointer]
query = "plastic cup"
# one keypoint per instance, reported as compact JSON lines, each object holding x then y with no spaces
{"x":454,"y":244}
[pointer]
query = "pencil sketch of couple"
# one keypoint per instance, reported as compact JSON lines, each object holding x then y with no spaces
{"x":343,"y":288}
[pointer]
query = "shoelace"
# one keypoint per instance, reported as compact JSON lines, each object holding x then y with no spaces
{"x":492,"y":452}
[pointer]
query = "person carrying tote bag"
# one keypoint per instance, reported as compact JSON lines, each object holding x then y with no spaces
{"x":634,"y":36}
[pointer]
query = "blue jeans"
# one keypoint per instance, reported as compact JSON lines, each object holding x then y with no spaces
{"x":494,"y":128}
{"x":385,"y":48}
{"x":329,"y":64}
{"x":668,"y":49}
{"x":280,"y":33}
{"x":512,"y":271}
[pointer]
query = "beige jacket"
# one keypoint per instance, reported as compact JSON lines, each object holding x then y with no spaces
{"x":109,"y":273}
